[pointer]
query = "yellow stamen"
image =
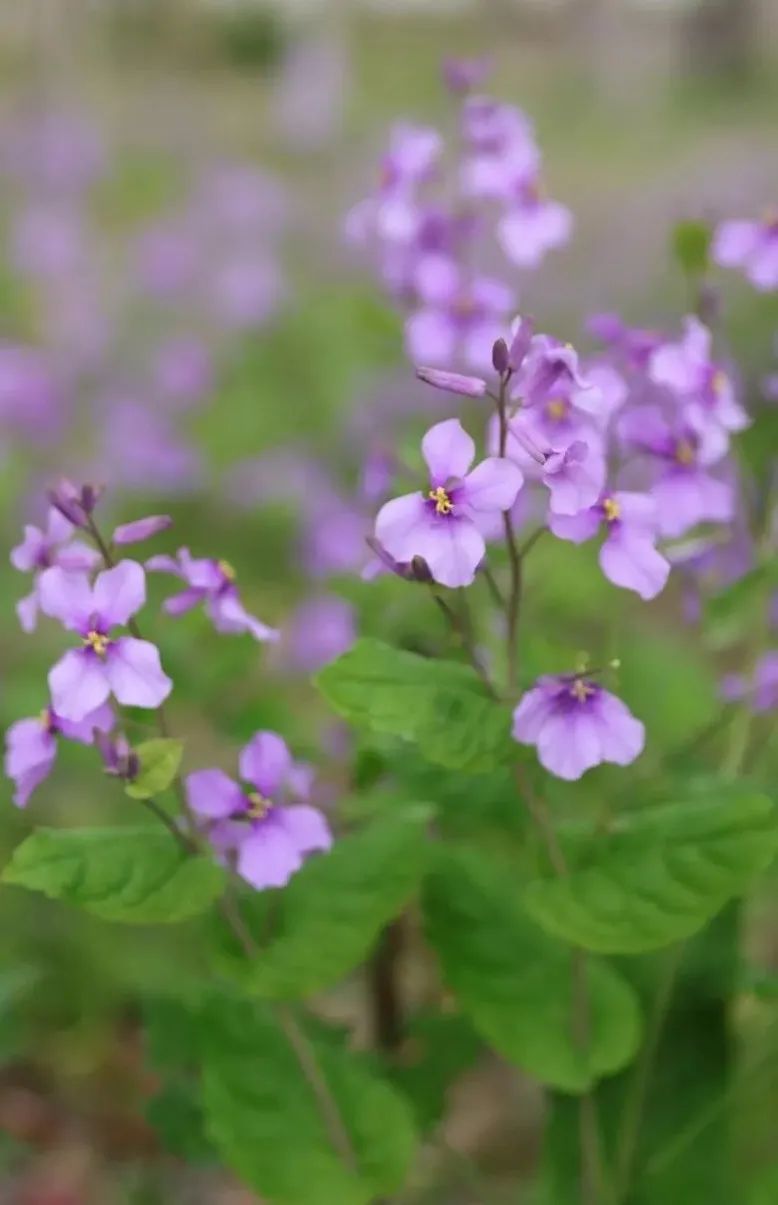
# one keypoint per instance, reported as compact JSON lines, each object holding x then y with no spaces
{"x":719,"y":381}
{"x":581,"y":690}
{"x":443,"y":503}
{"x":97,"y":642}
{"x":258,"y":806}
{"x":44,"y":719}
{"x":556,"y":409}
{"x":684,"y":452}
{"x":464,"y":306}
{"x":226,"y":569}
{"x":611,"y":510}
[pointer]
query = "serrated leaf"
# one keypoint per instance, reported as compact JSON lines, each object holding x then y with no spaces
{"x":440,"y":706}
{"x":691,"y":246}
{"x":660,"y":875}
{"x":516,"y":984}
{"x":135,"y":875}
{"x":159,"y":762}
{"x":327,"y":918}
{"x":266,"y":1118}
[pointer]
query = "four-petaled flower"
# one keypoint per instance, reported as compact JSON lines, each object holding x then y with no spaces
{"x":41,"y":549}
{"x":31,"y":745}
{"x":752,"y":246}
{"x":702,"y":384}
{"x":441,"y":524}
{"x":576,"y":724}
{"x":210,"y":582}
{"x":105,"y":664}
{"x":628,"y":556}
{"x":267,"y":838}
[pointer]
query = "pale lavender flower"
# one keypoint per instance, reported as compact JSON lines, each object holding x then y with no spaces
{"x":441,"y":524}
{"x":246,"y":290}
{"x":167,"y":260}
{"x":143,"y":450}
{"x":212,"y":583}
{"x":105,"y":664}
{"x":686,"y":367}
{"x":684,"y":491}
{"x":576,"y":724}
{"x":318,"y":631}
{"x":575,"y":478}
{"x":459,"y":317}
{"x":752,"y":246}
{"x":183,"y":372}
{"x":30,"y":398}
{"x":533,"y":226}
{"x":628,"y":556}
{"x":267,"y":838}
{"x":42,"y":548}
{"x":501,"y":150}
{"x":31,"y":745}
{"x":391,"y":213}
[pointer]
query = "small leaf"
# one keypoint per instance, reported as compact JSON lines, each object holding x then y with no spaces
{"x":325,"y":921}
{"x":134,"y":875}
{"x":659,"y":875}
{"x":265,"y":1114}
{"x":691,"y":246}
{"x":159,"y":761}
{"x":516,"y":984}
{"x":441,"y":706}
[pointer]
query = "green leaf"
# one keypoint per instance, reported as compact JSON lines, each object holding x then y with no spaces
{"x":670,"y":686}
{"x":659,"y":875}
{"x":441,"y":706}
{"x":516,"y":984}
{"x":691,"y":246}
{"x":437,"y":1048}
{"x":326,"y":920}
{"x":159,"y":761}
{"x":135,"y":875}
{"x":265,"y":1114}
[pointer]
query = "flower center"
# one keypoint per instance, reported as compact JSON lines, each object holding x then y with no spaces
{"x":442,"y":500}
{"x":258,"y":806}
{"x":581,"y":690}
{"x":719,"y":381}
{"x":611,"y":510}
{"x":684,"y":452}
{"x":556,"y":409}
{"x":226,"y":570}
{"x":97,"y":642}
{"x":464,"y":306}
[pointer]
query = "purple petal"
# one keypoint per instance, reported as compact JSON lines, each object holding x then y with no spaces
{"x":30,"y":754}
{"x":684,"y":499}
{"x":437,"y":279}
{"x":448,"y":450}
{"x":141,"y":529}
{"x":576,"y":528}
{"x":134,"y":673}
{"x":163,"y":564}
{"x":405,"y":528}
{"x":306,"y":828}
{"x":637,"y":511}
{"x":267,"y":858}
{"x":622,"y":737}
{"x":78,"y":684}
{"x":83,"y":731}
{"x":763,"y":269}
{"x":58,"y":527}
{"x":570,"y":743}
{"x":179,"y":604}
{"x":77,"y":557}
{"x":430,"y":338}
{"x":575,"y":485}
{"x":454,"y":551}
{"x":265,"y":762}
{"x":493,"y":485}
{"x":535,"y":708}
{"x":24,"y":556}
{"x":66,"y":597}
{"x":734,"y":242}
{"x":631,"y":561}
{"x":27,"y":611}
{"x":213,"y":794}
{"x":229,"y":615}
{"x":525,"y":235}
{"x":452,"y":382}
{"x":119,"y":592}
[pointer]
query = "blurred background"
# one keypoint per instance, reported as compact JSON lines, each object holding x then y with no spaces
{"x":180,"y":318}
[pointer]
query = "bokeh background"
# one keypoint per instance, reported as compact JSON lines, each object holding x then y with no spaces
{"x":180,"y":318}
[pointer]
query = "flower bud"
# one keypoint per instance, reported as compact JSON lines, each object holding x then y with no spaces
{"x":500,"y":357}
{"x":520,"y":343}
{"x":141,"y":529}
{"x":452,"y":382}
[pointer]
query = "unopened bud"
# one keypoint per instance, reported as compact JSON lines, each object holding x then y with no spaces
{"x":420,"y":570}
{"x":500,"y":357}
{"x":520,"y":344}
{"x":452,"y":382}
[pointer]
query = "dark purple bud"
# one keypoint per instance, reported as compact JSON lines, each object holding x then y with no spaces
{"x":90,"y":496}
{"x":66,"y":498}
{"x":452,"y":382}
{"x":500,"y":357}
{"x":420,"y":570}
{"x":141,"y":529}
{"x":118,"y":758}
{"x":520,"y":343}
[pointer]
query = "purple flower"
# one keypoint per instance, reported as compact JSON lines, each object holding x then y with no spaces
{"x":29,"y":396}
{"x":441,"y":524}
{"x":141,"y":529}
{"x":575,"y":478}
{"x":502,"y":152}
{"x":628,"y":556}
{"x":319,"y":631}
{"x":43,"y":548}
{"x":31,"y":745}
{"x":752,"y":246}
{"x":685,"y":492}
{"x":459,"y":318}
{"x":533,"y":226}
{"x":576,"y":724}
{"x":183,"y":371}
{"x":463,"y":75}
{"x":123,"y":666}
{"x":246,"y":290}
{"x":267,"y":839}
{"x":687,"y":369}
{"x":213,"y":583}
{"x":761,"y":691}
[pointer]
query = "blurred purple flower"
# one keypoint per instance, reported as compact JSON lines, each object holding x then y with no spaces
{"x":167,"y":259}
{"x":48,"y":241}
{"x":532,"y":226}
{"x":123,"y":666}
{"x":142,"y":449}
{"x":183,"y":371}
{"x":575,"y":478}
{"x":42,"y":548}
{"x":268,"y":838}
{"x":319,"y":630}
{"x":576,"y":724}
{"x":752,"y":246}
{"x":391,"y":213}
{"x":31,"y":745}
{"x":441,"y":524}
{"x":212,"y":583}
{"x":30,"y":399}
{"x":686,"y":368}
{"x":628,"y":557}
{"x":246,"y":290}
{"x":761,"y":691}
{"x":458,"y":318}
